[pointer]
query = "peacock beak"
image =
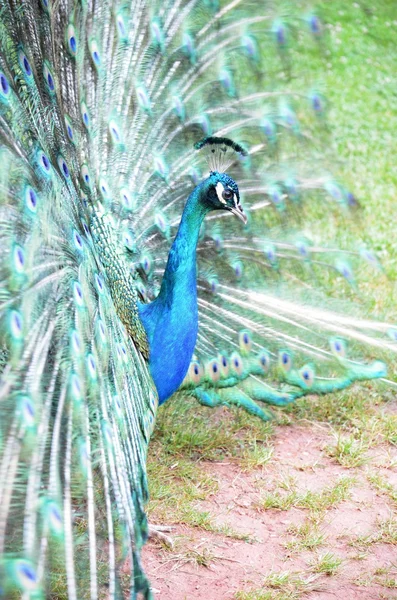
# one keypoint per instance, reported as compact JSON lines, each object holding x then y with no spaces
{"x":238,"y":211}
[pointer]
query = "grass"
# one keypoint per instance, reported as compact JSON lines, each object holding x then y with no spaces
{"x":354,"y":71}
{"x":256,"y":456}
{"x":326,"y":564}
{"x":306,"y":536}
{"x":386,"y":533}
{"x":282,"y":585}
{"x":382,"y":485}
{"x":316,"y":502}
{"x":184,"y":438}
{"x":349,"y":452}
{"x":384,"y":576}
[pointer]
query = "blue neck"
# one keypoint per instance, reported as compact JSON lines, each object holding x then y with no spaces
{"x":171,"y":321}
{"x":181,"y":264}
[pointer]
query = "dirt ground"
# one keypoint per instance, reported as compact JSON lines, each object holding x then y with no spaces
{"x":276,"y":558}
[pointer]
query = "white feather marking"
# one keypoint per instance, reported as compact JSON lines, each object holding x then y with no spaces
{"x":219,"y":189}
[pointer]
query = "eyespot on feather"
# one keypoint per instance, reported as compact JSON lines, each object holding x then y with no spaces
{"x":236,"y":363}
{"x":249,"y":46}
{"x":127,"y":199}
{"x":85,"y":175}
{"x":338,"y":347}
{"x":27,"y":412}
{"x":16,"y":325}
{"x":264,"y":360}
{"x":115,"y":132}
{"x":157,"y":34}
{"x":344,"y":269}
{"x":146,"y":263}
{"x":23,"y":575}
{"x":99,"y":284}
{"x":53,"y":517}
{"x":143,"y":98}
{"x":238,"y":268}
{"x":78,"y":294}
{"x":44,"y":164}
{"x":91,"y":366}
{"x":212,"y":369}
{"x":285,"y":360}
{"x":245,"y":342}
{"x":107,"y":433}
{"x":25,"y":66}
{"x":48,"y":78}
{"x":161,"y":167}
{"x":307,"y":375}
{"x":31,"y":199}
{"x":104,"y":188}
{"x":63,"y":167}
{"x":195,"y":372}
{"x":69,"y":128}
{"x":95,"y":54}
{"x":71,"y":40}
{"x":85,"y":115}
{"x":224,"y":365}
{"x":5,"y":89}
{"x":75,"y":388}
{"x":270,"y":253}
{"x":18,"y":259}
{"x":77,"y":241}
{"x":121,"y":28}
{"x":161,"y":223}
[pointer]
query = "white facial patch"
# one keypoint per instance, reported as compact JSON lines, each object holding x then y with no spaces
{"x":219,"y":189}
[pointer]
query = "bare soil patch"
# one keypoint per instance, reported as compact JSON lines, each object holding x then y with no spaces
{"x":357,"y":528}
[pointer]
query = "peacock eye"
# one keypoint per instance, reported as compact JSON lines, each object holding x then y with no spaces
{"x":16,"y":324}
{"x":31,"y":199}
{"x":5,"y":86}
{"x":227,"y":194}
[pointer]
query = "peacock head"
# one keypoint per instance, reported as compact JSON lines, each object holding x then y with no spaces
{"x":220,"y":190}
{"x":222,"y":194}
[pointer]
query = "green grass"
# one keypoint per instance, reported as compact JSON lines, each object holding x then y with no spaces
{"x":386,"y":533}
{"x":185,"y":437}
{"x":326,"y":564}
{"x":282,"y":585}
{"x":387,"y":576}
{"x":382,"y":485}
{"x":349,"y":451}
{"x":306,"y":536}
{"x":316,"y":502}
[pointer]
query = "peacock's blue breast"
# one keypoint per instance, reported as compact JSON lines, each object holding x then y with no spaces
{"x":172,"y":333}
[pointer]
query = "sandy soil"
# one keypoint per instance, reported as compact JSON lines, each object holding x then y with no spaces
{"x":215,"y":567}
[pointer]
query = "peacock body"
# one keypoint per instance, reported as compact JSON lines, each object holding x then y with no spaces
{"x":100,"y":106}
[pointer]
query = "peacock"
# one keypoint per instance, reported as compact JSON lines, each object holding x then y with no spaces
{"x":154,"y":185}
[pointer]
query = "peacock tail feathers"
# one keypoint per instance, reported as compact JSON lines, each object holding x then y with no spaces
{"x":101,"y":104}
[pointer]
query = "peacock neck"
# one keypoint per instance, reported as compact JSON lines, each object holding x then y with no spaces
{"x":181,"y":265}
{"x":171,"y":320}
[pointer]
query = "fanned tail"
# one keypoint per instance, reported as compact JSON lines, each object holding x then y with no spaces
{"x":77,"y":403}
